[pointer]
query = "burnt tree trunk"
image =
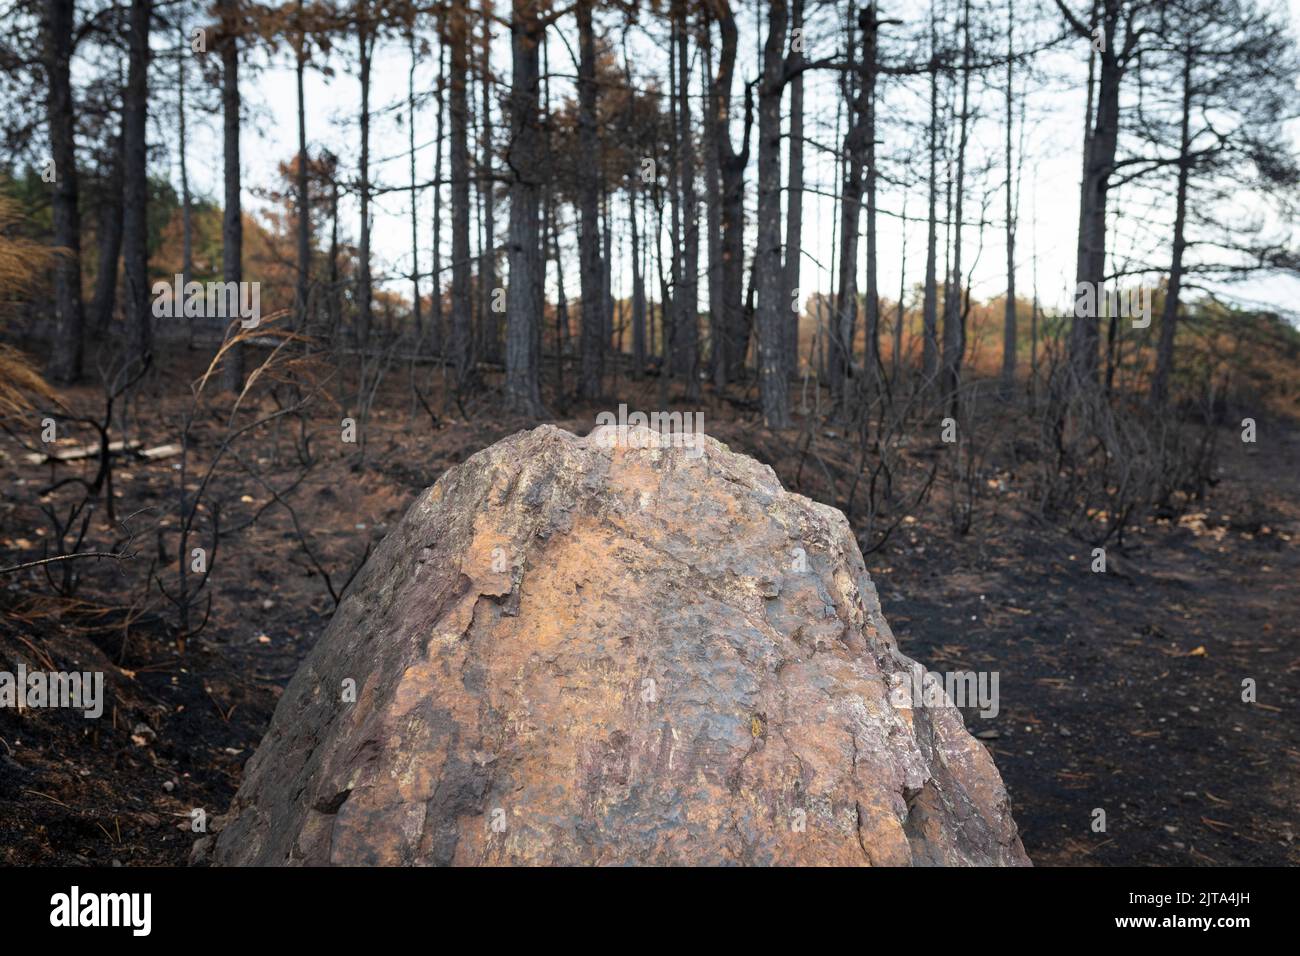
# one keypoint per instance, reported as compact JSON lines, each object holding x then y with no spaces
{"x":437,"y":338}
{"x":462,"y":345}
{"x":638,"y":286}
{"x":672,"y":345}
{"x":417,"y":308}
{"x":1169,"y":315}
{"x":303,"y":198}
{"x":1009,"y":314}
{"x":232,"y":226}
{"x":1099,"y":163}
{"x":66,"y":356}
{"x":335,"y":299}
{"x":954,"y":318}
{"x":365,"y":47}
{"x":794,"y":193}
{"x":590,"y":271}
{"x":187,"y":213}
{"x":860,"y":153}
{"x":135,"y":186}
{"x":870,"y":25}
{"x":687,"y":298}
{"x":524,"y":294}
{"x":109,"y":218}
{"x":491,"y":324}
{"x":773,"y":387}
{"x":729,"y":360}
{"x":930,"y":301}
{"x":712,"y":198}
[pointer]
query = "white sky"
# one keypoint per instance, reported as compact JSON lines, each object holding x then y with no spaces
{"x":1048,"y":203}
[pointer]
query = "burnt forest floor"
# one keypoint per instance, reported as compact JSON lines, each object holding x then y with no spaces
{"x":1118,"y":691}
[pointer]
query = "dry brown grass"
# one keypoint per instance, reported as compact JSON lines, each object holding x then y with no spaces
{"x":21,"y":386}
{"x":22,"y":261}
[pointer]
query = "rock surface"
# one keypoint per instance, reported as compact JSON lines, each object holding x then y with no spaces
{"x":571,"y":653}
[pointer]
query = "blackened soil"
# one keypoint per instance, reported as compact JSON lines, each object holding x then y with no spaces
{"x":1118,"y":692}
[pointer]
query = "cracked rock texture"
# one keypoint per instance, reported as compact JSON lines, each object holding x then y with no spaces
{"x":571,"y":653}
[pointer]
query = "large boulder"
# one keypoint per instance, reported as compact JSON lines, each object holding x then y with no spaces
{"x":572,"y":653}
